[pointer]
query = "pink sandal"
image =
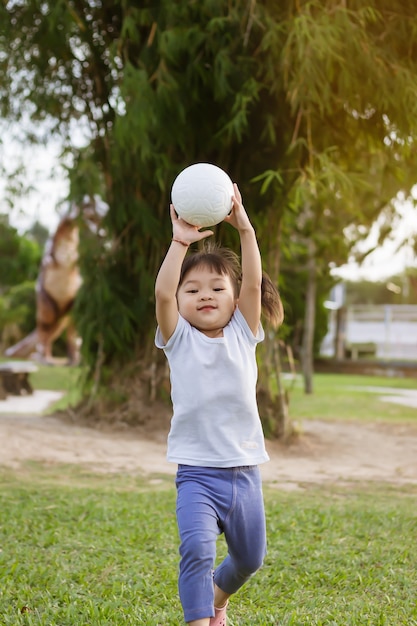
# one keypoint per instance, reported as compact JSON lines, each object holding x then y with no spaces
{"x":219,"y":618}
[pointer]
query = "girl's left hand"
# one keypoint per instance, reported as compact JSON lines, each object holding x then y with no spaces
{"x":238,"y":216}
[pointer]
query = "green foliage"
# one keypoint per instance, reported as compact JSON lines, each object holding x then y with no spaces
{"x":19,"y":256}
{"x":85,"y":175}
{"x":109,"y":327}
{"x":20,"y":304}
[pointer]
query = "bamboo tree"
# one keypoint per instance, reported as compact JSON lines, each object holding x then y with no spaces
{"x":352,"y":138}
{"x":310,"y":106}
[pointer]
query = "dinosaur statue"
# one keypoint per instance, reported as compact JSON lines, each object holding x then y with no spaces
{"x":57,"y":285}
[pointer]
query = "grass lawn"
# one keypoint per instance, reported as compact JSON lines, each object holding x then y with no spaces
{"x":59,"y":378}
{"x":346,"y":397}
{"x":78,"y":549}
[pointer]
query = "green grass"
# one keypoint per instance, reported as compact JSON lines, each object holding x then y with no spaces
{"x":59,"y":378}
{"x":345,"y":397}
{"x":78,"y":549}
{"x":56,"y":378}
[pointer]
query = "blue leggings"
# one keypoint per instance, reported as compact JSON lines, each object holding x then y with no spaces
{"x":211,"y":501}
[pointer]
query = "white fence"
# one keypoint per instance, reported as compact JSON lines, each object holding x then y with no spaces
{"x":391,"y":329}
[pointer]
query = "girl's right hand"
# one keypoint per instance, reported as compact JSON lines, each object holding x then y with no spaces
{"x":185,"y":232}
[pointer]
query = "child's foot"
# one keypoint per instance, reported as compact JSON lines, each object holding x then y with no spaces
{"x":219,"y":618}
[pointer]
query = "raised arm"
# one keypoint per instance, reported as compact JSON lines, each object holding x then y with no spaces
{"x":166,"y":285}
{"x":250,"y":292}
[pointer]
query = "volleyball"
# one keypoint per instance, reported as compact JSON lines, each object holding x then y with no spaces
{"x":202,"y":194}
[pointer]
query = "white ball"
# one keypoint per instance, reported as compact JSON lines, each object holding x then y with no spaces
{"x":202,"y":194}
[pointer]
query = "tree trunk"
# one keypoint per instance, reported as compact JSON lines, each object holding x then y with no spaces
{"x":309,"y":320}
{"x":340,"y":335}
{"x":271,"y":394}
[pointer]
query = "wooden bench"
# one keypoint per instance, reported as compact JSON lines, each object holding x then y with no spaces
{"x":14,"y":378}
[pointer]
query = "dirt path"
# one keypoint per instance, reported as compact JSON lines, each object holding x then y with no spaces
{"x":324,"y":452}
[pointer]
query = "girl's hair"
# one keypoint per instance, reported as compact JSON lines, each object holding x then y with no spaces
{"x":225,"y":261}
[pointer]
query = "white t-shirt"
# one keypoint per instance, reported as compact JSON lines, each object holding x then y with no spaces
{"x":213,"y":389}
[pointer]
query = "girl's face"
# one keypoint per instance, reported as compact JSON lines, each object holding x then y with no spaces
{"x":206,"y":300}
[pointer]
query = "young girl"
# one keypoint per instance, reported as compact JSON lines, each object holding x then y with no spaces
{"x":208,"y":311}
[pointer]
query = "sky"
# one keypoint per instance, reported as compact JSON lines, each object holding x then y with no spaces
{"x":48,"y":189}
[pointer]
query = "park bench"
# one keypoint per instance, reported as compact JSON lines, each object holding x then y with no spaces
{"x":14,"y":378}
{"x":364,"y":348}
